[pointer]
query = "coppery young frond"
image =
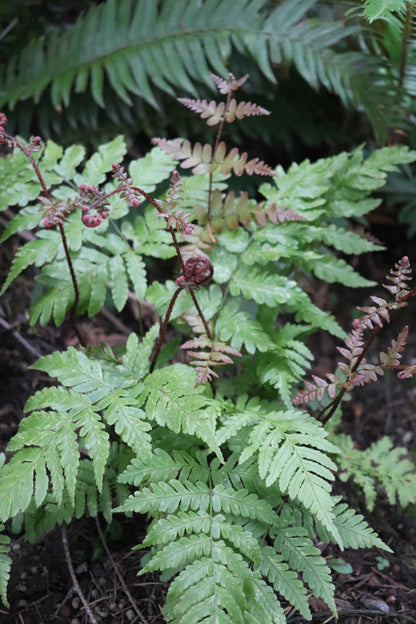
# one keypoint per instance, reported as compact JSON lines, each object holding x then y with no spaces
{"x":210,"y":352}
{"x":356,"y":369}
{"x":215,"y":112}
{"x":201,"y":159}
{"x":229,"y":84}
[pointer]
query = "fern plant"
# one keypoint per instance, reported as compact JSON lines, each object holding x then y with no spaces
{"x":236,"y":481}
{"x":144,"y":50}
{"x":381,"y":466}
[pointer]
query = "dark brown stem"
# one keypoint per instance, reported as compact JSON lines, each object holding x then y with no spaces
{"x":407,"y":296}
{"x":200,"y":313}
{"x":169,"y":311}
{"x":163,"y":329}
{"x":170,"y":229}
{"x":75,"y":285}
{"x":34,"y":164}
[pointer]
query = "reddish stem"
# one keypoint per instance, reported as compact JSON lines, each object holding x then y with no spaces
{"x":34,"y":164}
{"x":163,"y":329}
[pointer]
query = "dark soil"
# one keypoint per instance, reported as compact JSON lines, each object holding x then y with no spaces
{"x":381,"y":588}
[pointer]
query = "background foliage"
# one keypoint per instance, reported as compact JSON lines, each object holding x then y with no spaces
{"x":129,"y":59}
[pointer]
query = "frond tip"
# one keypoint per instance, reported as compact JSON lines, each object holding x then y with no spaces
{"x":229,"y":84}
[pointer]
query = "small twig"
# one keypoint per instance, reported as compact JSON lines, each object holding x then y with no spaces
{"x":20,"y":338}
{"x":115,"y":321}
{"x":9,"y":27}
{"x":73,"y":576}
{"x":117,"y":571}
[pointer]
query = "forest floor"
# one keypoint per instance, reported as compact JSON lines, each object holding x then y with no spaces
{"x":380,"y":589}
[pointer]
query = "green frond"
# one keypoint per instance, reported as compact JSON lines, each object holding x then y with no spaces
{"x":242,"y":503}
{"x":53,"y":435}
{"x":377,"y":9}
{"x":265,"y":609}
{"x":294,"y":451}
{"x":285,"y":363}
{"x":354,"y":529}
{"x":168,"y":497}
{"x":5,"y":565}
{"x":217,"y":593}
{"x":381,"y":465}
{"x":285,"y":581}
{"x":172,"y":400}
{"x":161,"y":465}
{"x":88,"y":501}
{"x":127,"y":53}
{"x":336,"y":270}
{"x":142,"y":50}
{"x":36,"y":252}
{"x":235,"y":325}
{"x":74,"y":369}
{"x":296,"y":547}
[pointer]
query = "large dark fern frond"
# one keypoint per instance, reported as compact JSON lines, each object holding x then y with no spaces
{"x":142,"y":48}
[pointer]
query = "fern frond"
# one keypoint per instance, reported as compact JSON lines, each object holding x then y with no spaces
{"x":296,"y":547}
{"x":168,"y":497}
{"x":201,"y":158}
{"x":285,"y":581}
{"x":354,"y":529}
{"x":216,"y":112}
{"x":379,"y":466}
{"x":174,"y":401}
{"x":235,"y":325}
{"x":229,"y":84}
{"x":219,"y":594}
{"x":206,"y":360}
{"x":5,"y":565}
{"x":162,"y":464}
{"x":304,"y":472}
{"x":377,"y":9}
{"x":88,"y":501}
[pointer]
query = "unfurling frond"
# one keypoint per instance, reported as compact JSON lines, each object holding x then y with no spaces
{"x":216,"y":112}
{"x":175,"y":218}
{"x":398,"y":276}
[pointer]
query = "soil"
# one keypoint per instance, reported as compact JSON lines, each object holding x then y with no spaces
{"x":381,"y":587}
